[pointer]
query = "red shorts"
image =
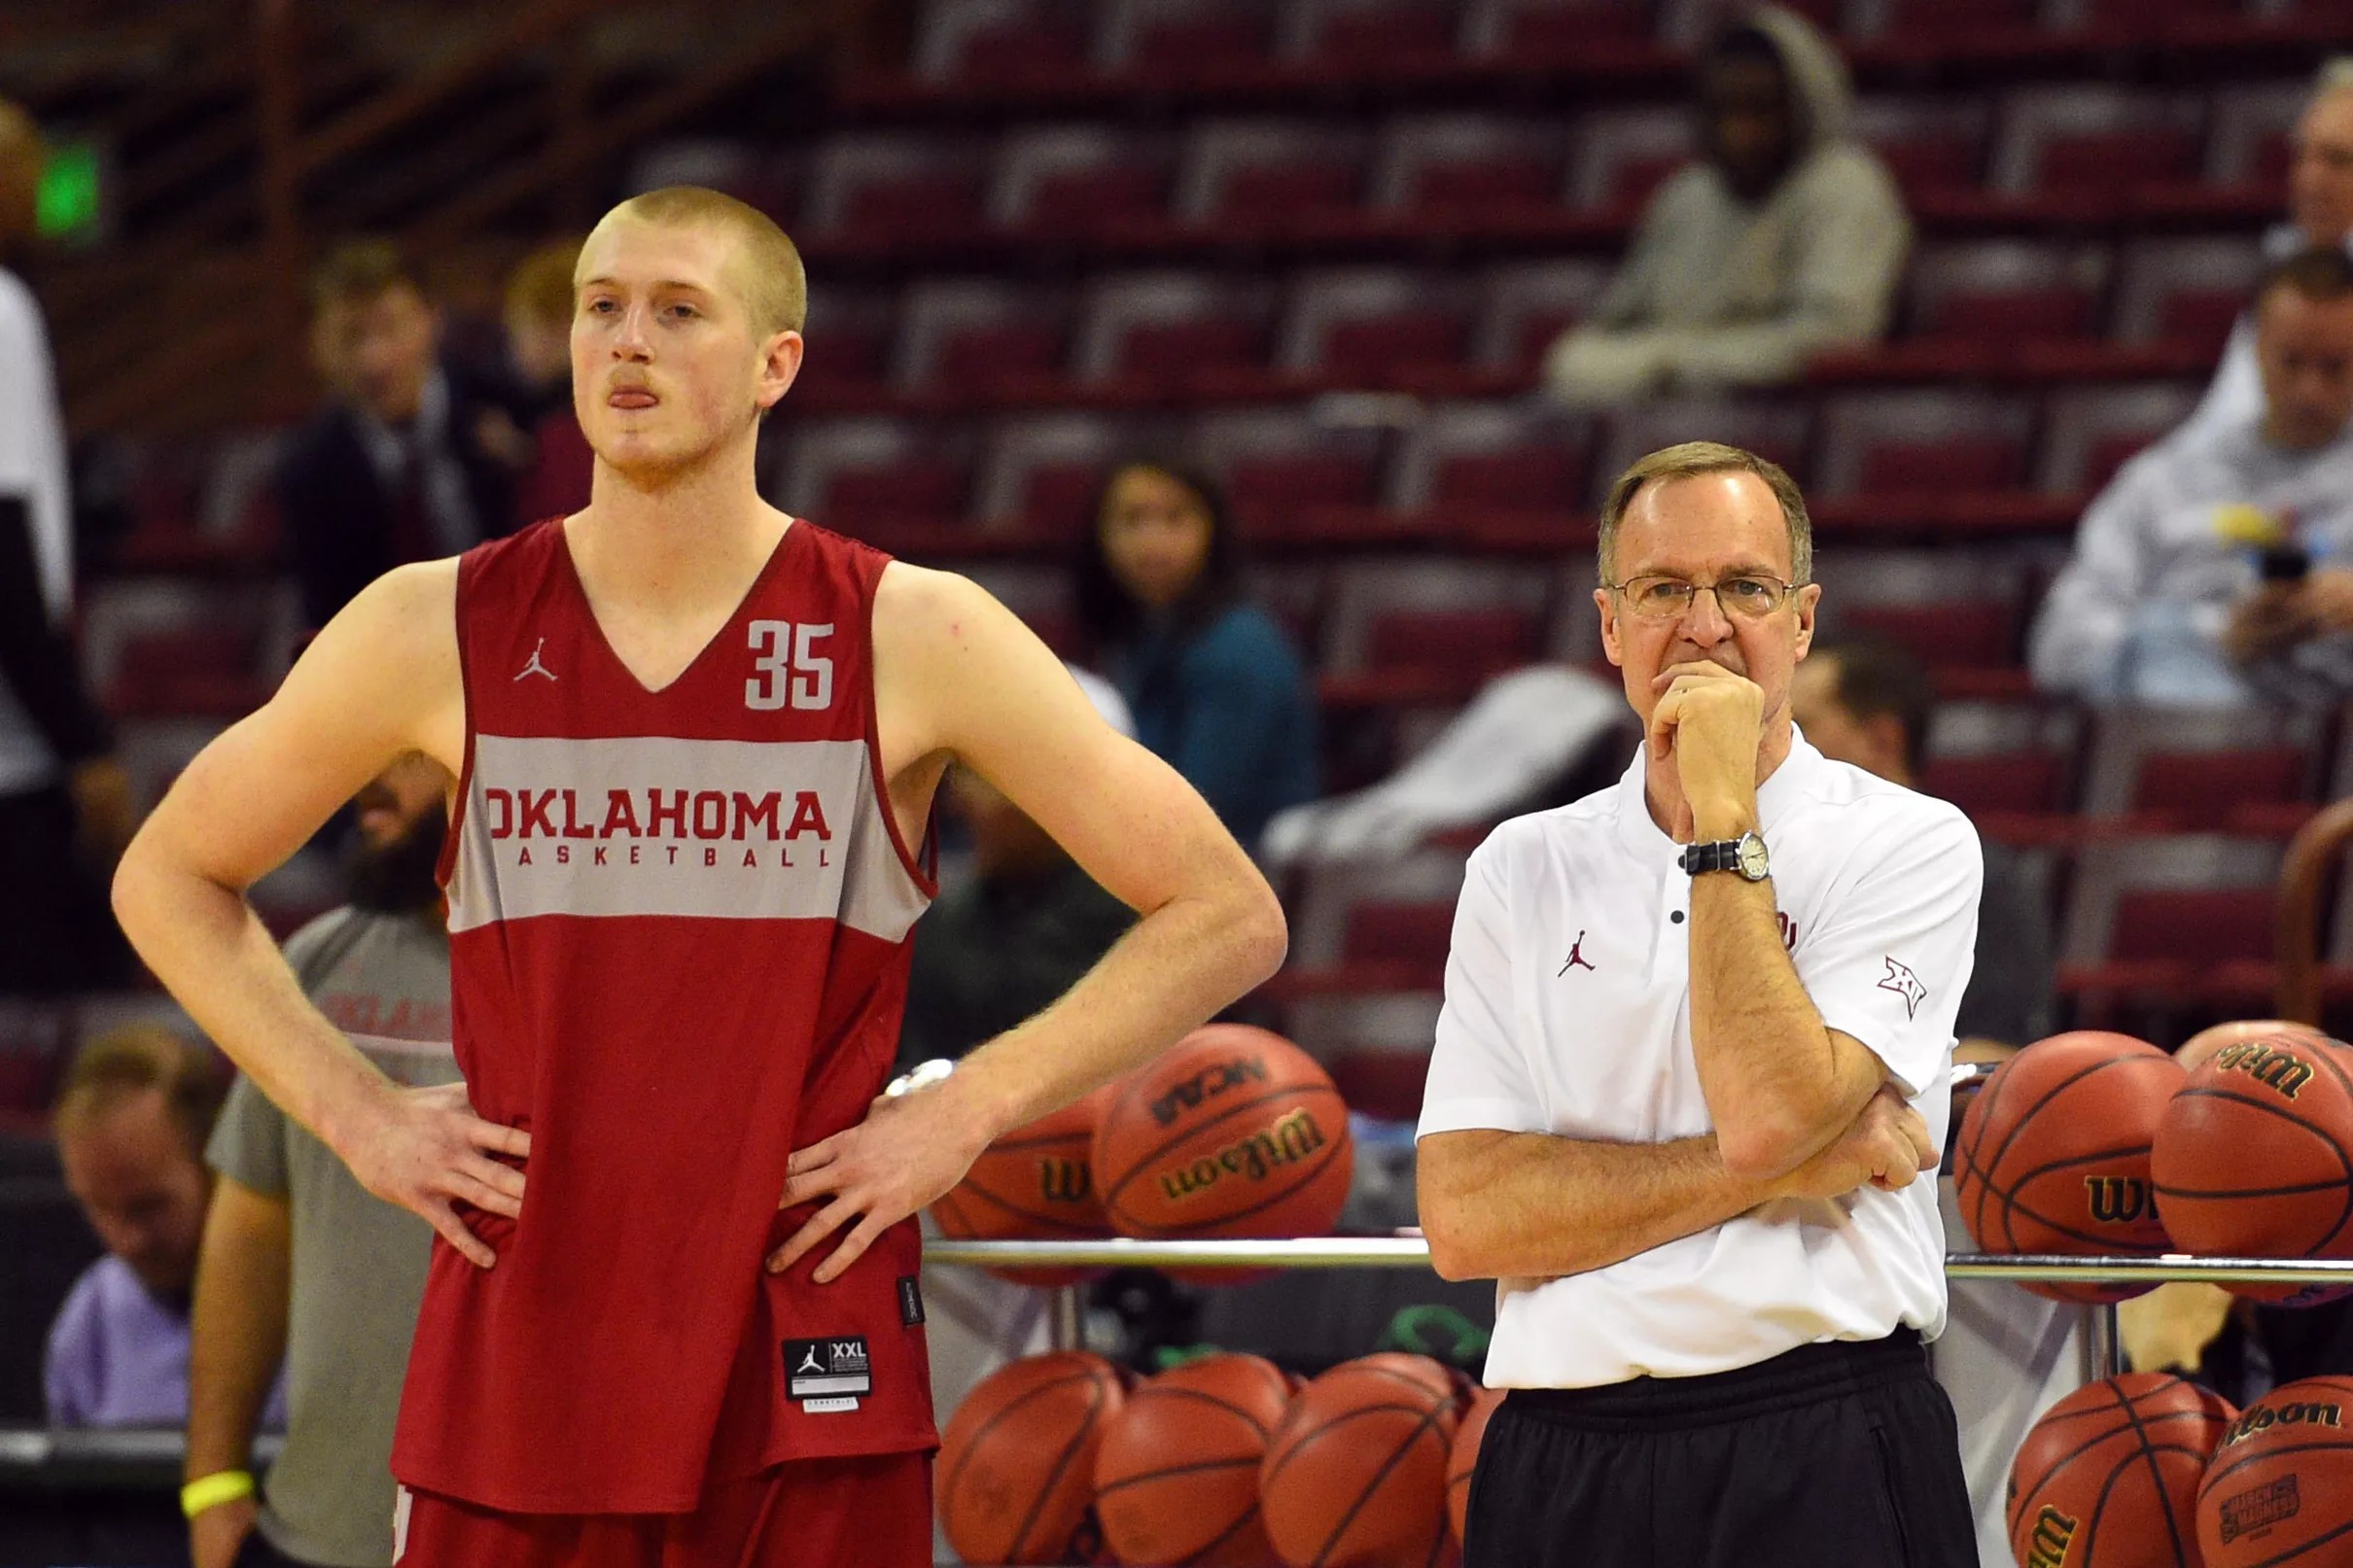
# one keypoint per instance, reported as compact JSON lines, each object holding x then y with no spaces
{"x":869,"y":1511}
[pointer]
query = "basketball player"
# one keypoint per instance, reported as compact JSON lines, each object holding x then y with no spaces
{"x":695,"y":743}
{"x":1695,"y":1053}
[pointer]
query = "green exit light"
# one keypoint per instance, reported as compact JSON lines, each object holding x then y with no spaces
{"x":66,"y":208}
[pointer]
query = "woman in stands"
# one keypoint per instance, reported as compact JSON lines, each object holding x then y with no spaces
{"x":1217,"y":687}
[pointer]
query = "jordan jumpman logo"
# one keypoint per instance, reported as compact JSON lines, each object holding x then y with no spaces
{"x":813,"y":1363}
{"x":535,"y":666}
{"x":1576,"y":957}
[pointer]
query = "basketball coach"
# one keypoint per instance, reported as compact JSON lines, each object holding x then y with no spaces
{"x":1694,"y":1059}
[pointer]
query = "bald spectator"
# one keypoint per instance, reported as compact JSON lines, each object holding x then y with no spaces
{"x":1788,"y":237}
{"x":2320,"y":214}
{"x":130,"y":1122}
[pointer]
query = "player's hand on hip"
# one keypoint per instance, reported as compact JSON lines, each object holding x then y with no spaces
{"x":1885,"y":1146}
{"x":1711,"y":720}
{"x":909,"y":1150}
{"x":428,"y":1152}
{"x":217,"y":1535}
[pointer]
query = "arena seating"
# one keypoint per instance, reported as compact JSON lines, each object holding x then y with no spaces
{"x":1322,"y":245}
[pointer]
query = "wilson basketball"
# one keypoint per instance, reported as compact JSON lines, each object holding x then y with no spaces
{"x":1464,"y":1458}
{"x":2108,"y":1477}
{"x":2054,"y":1154}
{"x":2206,"y":1041}
{"x":1356,"y":1476}
{"x":2279,"y":1489}
{"x":2252,"y":1158}
{"x":1234,"y":1131}
{"x":1035,"y":1183}
{"x":1016,"y":1467}
{"x":1176,"y":1477}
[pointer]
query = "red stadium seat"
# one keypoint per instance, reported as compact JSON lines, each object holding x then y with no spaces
{"x":1354,"y":35}
{"x":2171,"y":924}
{"x":1180,"y":39}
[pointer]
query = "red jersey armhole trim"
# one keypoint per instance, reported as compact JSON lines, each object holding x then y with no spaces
{"x":448,"y":862}
{"x":907,"y":860}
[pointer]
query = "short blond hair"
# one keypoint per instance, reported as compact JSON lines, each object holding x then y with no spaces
{"x":541,"y":284}
{"x":775,"y":285}
{"x":1690,"y":460}
{"x":133,"y":1060}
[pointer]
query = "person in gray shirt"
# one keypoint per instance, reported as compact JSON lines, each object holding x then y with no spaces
{"x":2217,"y":567}
{"x":1786,"y":239}
{"x":297,"y":1257}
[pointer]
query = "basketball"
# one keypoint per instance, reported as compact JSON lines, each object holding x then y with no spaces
{"x":2206,"y":1041}
{"x":1016,"y":1467}
{"x":1464,"y":1459}
{"x":2252,"y":1161}
{"x":2054,"y":1154}
{"x":2280,"y":1487}
{"x":1035,"y":1183}
{"x":1356,"y":1476}
{"x":1234,"y":1131}
{"x":1176,"y":1477}
{"x":2108,"y":1477}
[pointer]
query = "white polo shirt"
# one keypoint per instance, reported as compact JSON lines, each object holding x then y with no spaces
{"x":1569,"y":1011}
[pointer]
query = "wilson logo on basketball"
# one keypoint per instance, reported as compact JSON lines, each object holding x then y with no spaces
{"x":2273,"y":1069}
{"x":1288,"y":1141}
{"x":2118,"y":1199}
{"x":2262,"y":1418}
{"x":1206,"y":1084}
{"x":1065,"y":1181}
{"x":2260,"y":1509}
{"x":2053,"y":1534}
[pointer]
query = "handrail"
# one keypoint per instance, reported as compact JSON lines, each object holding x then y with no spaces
{"x":2312,"y":853}
{"x":1412,"y":1252}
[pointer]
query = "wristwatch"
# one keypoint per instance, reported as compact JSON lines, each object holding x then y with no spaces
{"x":1744,"y":854}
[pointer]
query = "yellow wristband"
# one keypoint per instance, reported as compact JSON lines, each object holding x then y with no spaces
{"x":211,"y":1491}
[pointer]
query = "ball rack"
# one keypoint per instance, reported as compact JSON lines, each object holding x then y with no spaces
{"x":1410,"y":1251}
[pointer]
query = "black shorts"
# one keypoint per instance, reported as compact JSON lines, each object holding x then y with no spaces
{"x":1841,"y":1452}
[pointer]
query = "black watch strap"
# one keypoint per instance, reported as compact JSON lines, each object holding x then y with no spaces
{"x":1724,"y":855}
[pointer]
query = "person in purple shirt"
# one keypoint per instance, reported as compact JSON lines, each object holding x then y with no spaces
{"x":130,"y":1122}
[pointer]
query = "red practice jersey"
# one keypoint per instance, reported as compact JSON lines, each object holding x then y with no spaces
{"x":678,"y":926}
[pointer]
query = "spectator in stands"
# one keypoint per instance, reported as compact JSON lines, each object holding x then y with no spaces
{"x":1215,"y":686}
{"x":1868,"y":703}
{"x":65,"y":803}
{"x":1003,"y":943}
{"x":2004,"y":1355}
{"x":393,"y":468}
{"x":2213,"y":568}
{"x":131,"y":1124}
{"x":1789,"y":237}
{"x":553,"y":463}
{"x":2320,"y":215}
{"x":299,"y":1260}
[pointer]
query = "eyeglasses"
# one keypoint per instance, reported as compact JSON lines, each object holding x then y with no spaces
{"x":1658,"y":598}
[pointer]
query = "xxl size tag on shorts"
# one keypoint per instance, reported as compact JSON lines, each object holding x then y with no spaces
{"x":832,"y":1370}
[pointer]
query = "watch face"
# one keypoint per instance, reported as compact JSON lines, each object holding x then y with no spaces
{"x":1752,"y":858}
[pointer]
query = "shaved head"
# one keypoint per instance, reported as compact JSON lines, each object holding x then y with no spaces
{"x":766,"y":269}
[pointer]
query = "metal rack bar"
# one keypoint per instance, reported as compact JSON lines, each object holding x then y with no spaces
{"x":1412,"y":1252}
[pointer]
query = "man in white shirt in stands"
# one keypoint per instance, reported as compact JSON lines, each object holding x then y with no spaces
{"x":2217,"y":567}
{"x":1694,"y":1059}
{"x":2320,"y":213}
